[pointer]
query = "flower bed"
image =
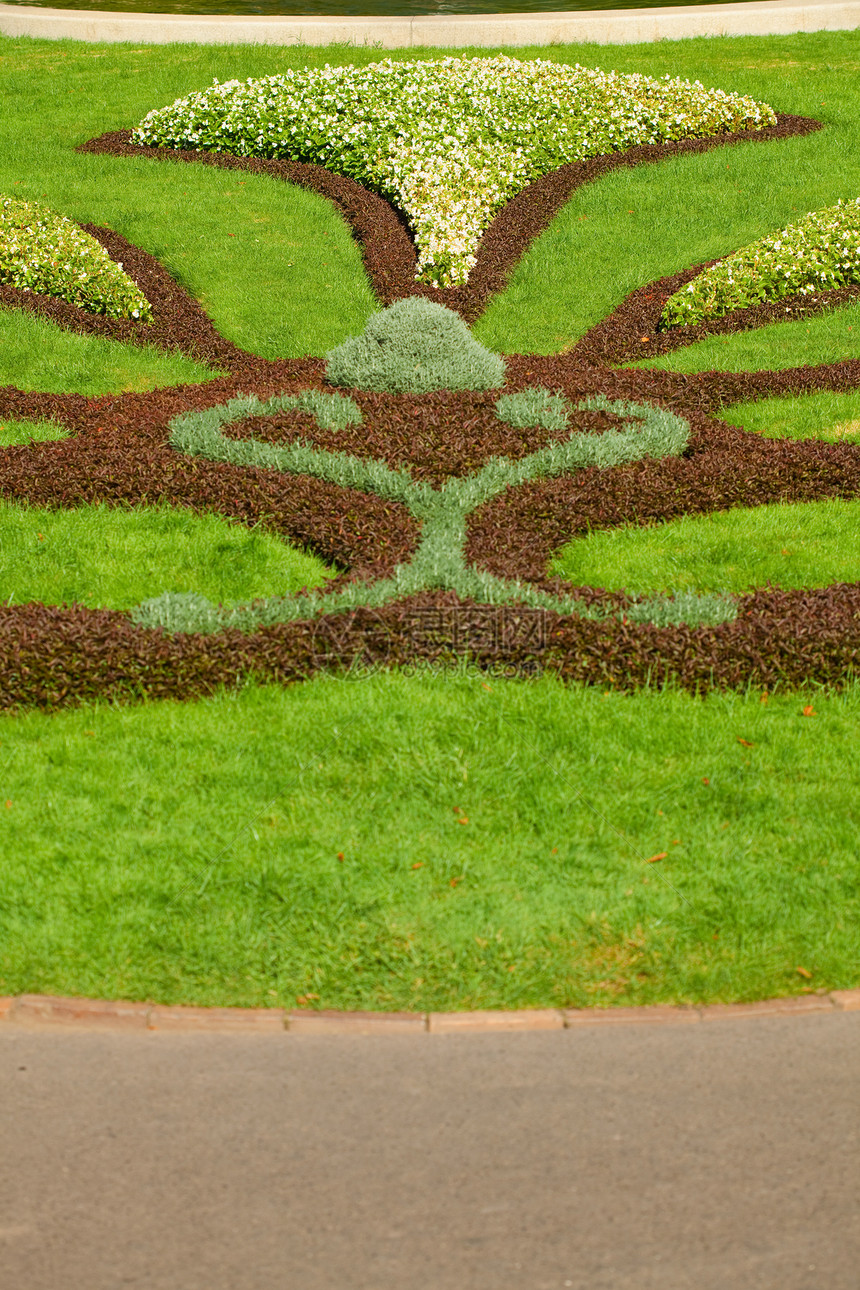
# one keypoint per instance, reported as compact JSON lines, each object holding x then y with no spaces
{"x":46,"y":253}
{"x":818,"y":253}
{"x":442,"y":507}
{"x":448,"y":141}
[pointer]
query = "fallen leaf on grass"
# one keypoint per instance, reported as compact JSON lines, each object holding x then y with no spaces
{"x":661,"y":855}
{"x":746,"y":742}
{"x":419,"y":864}
{"x":801,"y":971}
{"x":454,"y":881}
{"x":809,"y":711}
{"x":303,"y":999}
{"x":340,"y":856}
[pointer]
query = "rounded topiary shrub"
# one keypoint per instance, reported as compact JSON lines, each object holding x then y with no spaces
{"x":412,"y":347}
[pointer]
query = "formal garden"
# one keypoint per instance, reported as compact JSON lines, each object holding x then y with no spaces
{"x":429,"y":518}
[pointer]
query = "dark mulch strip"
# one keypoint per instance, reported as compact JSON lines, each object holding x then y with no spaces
{"x":179,"y":321}
{"x":516,"y":534}
{"x":436,"y":436}
{"x":52,"y":657}
{"x":121,"y":456}
{"x":387,"y":247}
{"x":631,"y":332}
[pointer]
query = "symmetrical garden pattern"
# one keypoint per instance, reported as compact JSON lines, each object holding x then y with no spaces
{"x":441,"y":499}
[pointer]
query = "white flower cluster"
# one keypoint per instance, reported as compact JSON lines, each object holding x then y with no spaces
{"x":45,"y":252}
{"x":448,"y":140}
{"x":818,"y":253}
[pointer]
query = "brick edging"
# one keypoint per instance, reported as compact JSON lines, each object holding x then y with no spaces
{"x":37,"y":1011}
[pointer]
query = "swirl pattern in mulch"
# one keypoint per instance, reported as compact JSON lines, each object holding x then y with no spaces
{"x":119,"y":452}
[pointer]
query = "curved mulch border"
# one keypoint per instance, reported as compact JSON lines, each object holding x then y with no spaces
{"x":57,"y":656}
{"x":120,"y":455}
{"x":632,"y":332}
{"x":381,"y":231}
{"x":516,"y":534}
{"x":111,"y":1014}
{"x":179,"y":321}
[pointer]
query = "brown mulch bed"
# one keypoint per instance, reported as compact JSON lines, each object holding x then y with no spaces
{"x":119,"y":454}
{"x":632,"y":331}
{"x":52,"y":657}
{"x":435,"y":436}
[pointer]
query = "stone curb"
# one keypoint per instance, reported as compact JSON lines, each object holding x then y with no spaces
{"x":603,"y":27}
{"x":40,"y":1011}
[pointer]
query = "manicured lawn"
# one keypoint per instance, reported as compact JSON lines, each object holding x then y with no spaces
{"x":105,"y":556}
{"x":494,"y":843}
{"x":37,"y":355}
{"x":825,"y":415}
{"x":810,"y":544}
{"x":497,"y":836}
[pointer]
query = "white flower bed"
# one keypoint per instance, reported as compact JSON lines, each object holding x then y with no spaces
{"x":48,"y":253}
{"x":819,"y":252}
{"x":448,"y":140}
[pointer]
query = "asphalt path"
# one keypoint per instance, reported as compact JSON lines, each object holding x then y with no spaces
{"x":645,"y":1157}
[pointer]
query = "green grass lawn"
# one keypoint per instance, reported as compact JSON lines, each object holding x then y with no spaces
{"x":835,"y":418}
{"x":824,"y":339}
{"x":812,"y":544}
{"x":400,"y":842}
{"x":114,"y":558}
{"x":38,"y":355}
{"x":497,"y":843}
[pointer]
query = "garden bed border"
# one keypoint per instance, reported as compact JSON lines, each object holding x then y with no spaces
{"x":489,"y":30}
{"x":40,"y":1010}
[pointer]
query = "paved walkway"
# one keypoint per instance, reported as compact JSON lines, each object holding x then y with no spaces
{"x":488,"y":30}
{"x":648,"y":1157}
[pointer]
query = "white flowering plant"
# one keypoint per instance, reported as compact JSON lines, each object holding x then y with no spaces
{"x":449,"y":141}
{"x":819,"y":252}
{"x":47,"y":253}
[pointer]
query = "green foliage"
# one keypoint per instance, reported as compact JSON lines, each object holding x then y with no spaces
{"x":111,"y":556}
{"x":188,"y":853}
{"x":448,"y":140}
{"x":23,"y":432}
{"x":330,"y":410}
{"x":797,"y":544}
{"x":536,"y":406}
{"x":415,"y":346}
{"x":817,"y":253}
{"x":439,"y":561}
{"x":706,"y":609}
{"x":45,"y":252}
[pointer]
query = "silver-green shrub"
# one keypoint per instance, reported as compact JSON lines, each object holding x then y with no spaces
{"x":412,"y":347}
{"x":536,"y":406}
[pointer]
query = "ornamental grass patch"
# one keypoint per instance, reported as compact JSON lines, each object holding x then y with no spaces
{"x":377,"y":606}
